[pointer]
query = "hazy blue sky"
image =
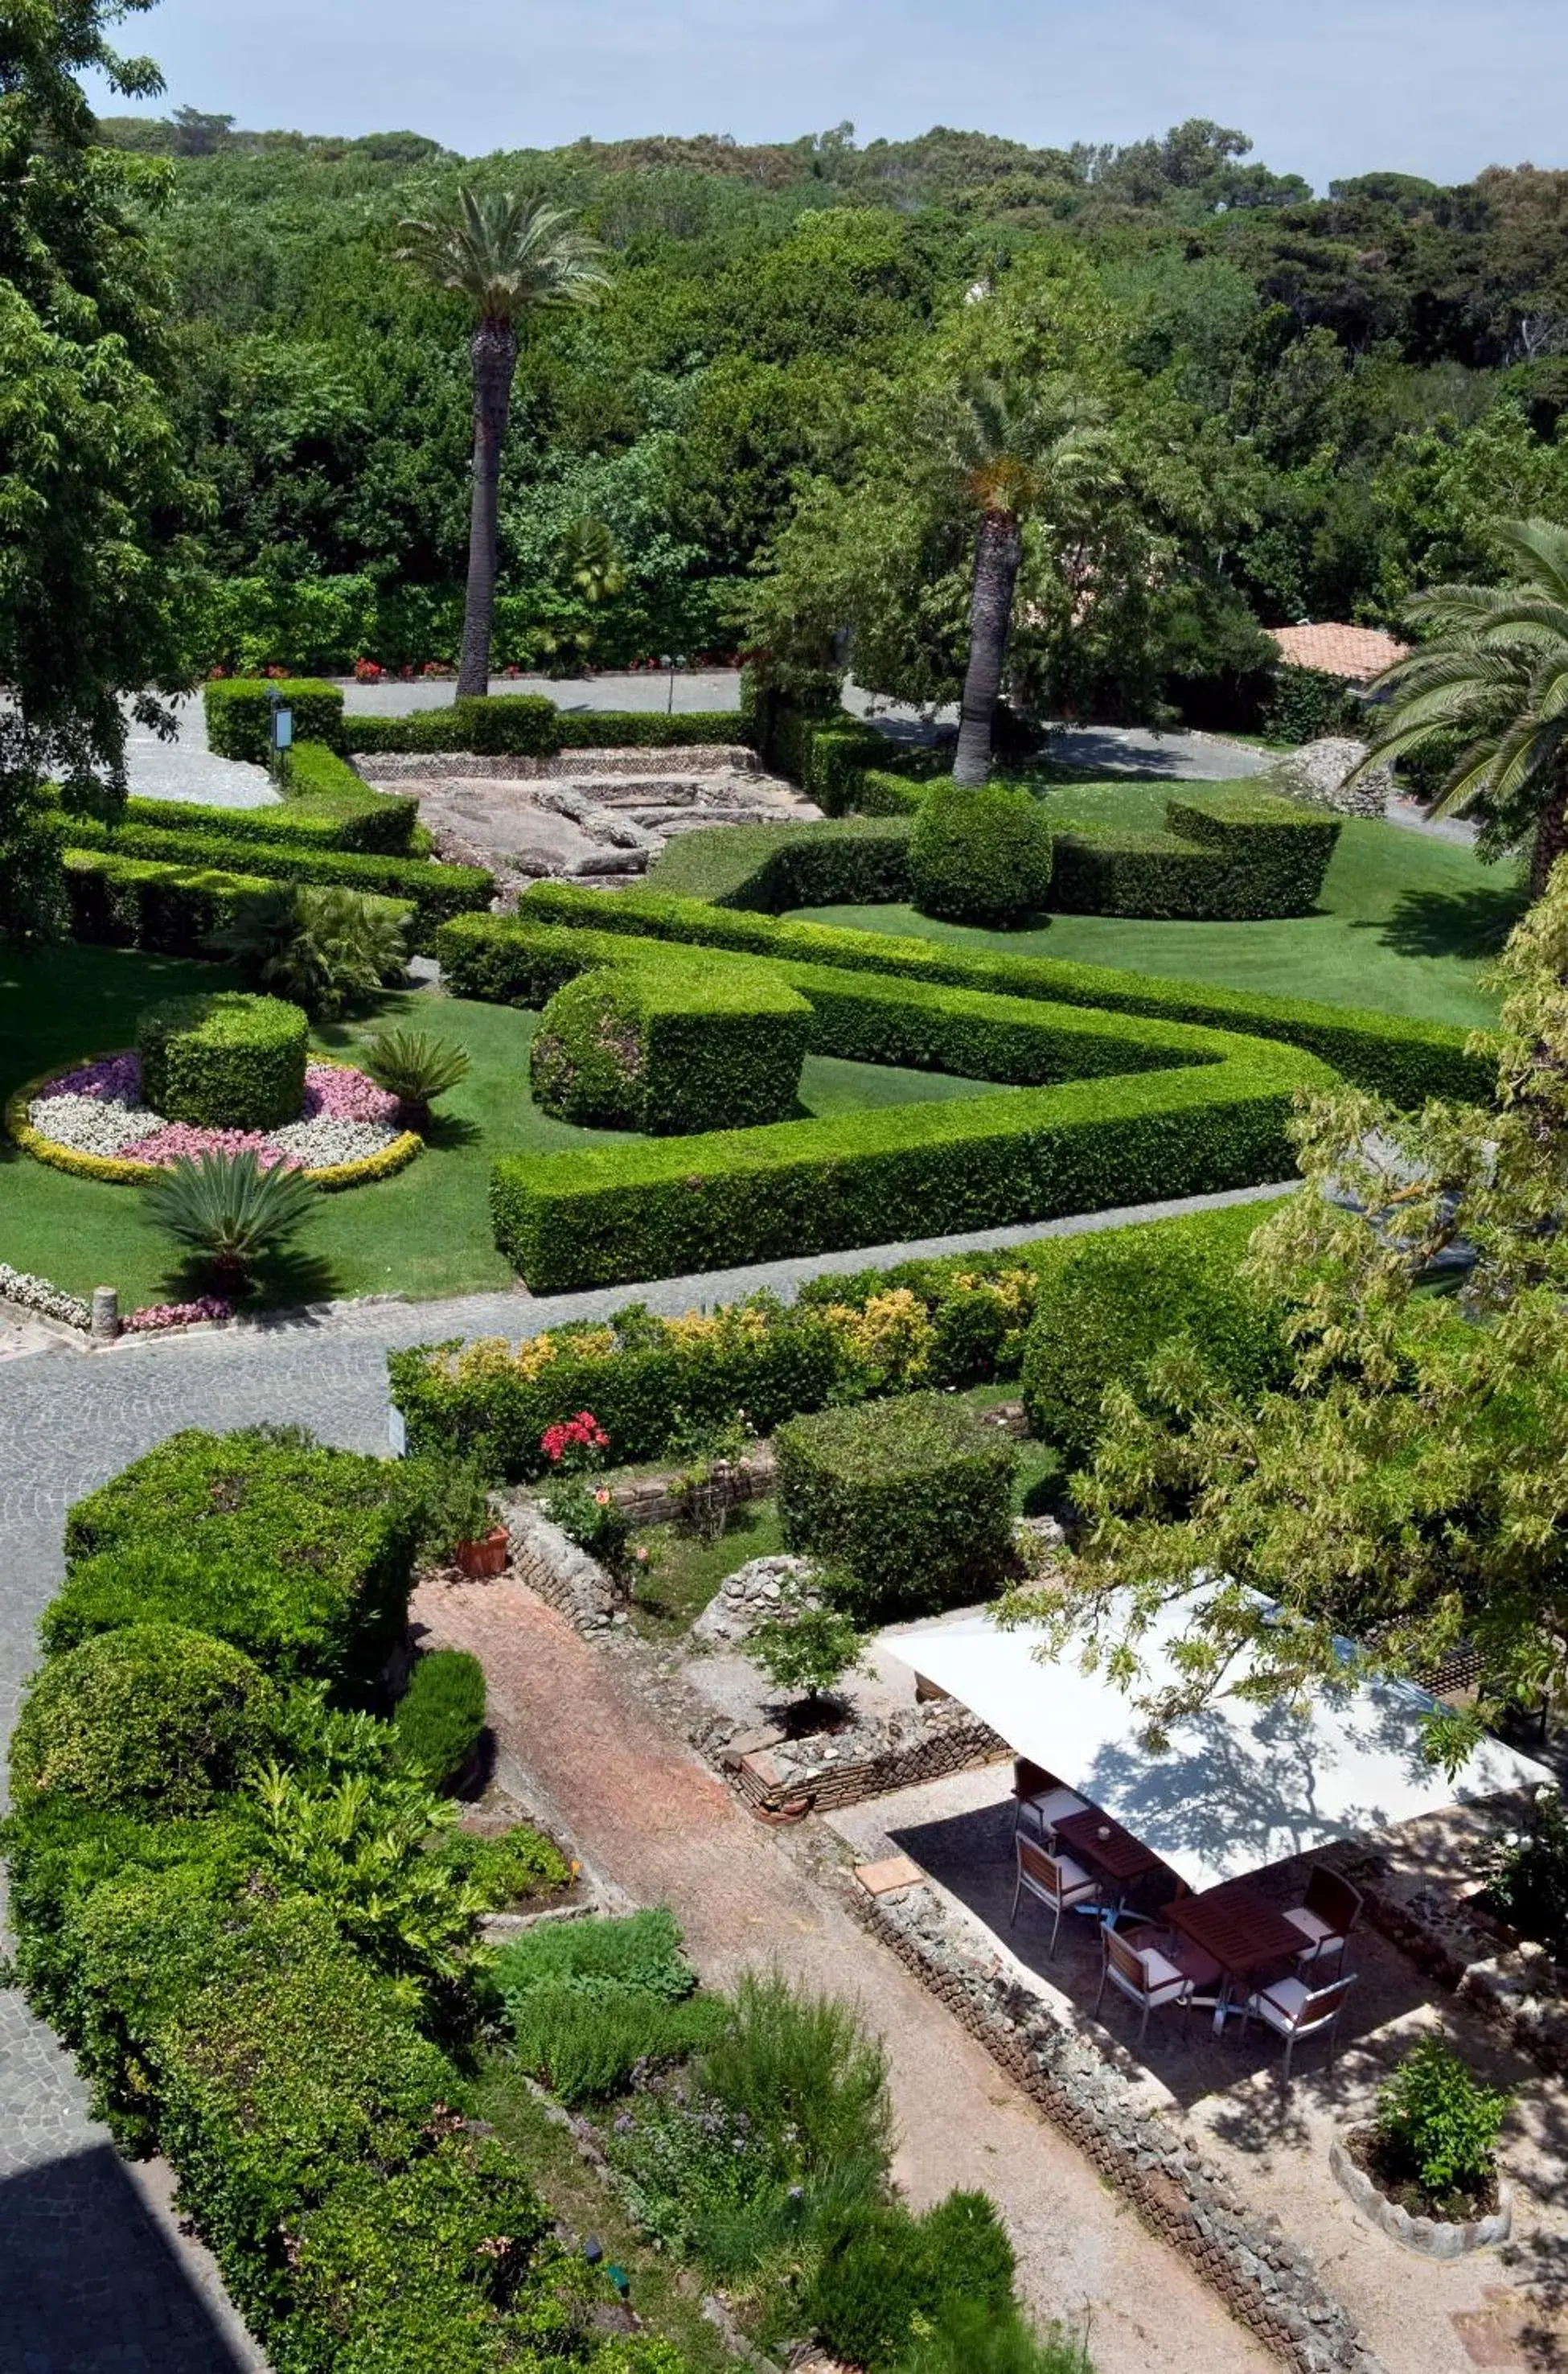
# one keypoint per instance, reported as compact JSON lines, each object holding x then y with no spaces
{"x":1325,"y":87}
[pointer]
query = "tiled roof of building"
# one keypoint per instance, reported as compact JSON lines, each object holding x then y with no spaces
{"x":1356,"y":654}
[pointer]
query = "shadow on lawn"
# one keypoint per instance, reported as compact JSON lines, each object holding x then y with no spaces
{"x":1470,"y":923}
{"x":286,"y":1277}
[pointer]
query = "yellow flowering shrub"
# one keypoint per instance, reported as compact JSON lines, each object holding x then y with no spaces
{"x":890,"y":1337}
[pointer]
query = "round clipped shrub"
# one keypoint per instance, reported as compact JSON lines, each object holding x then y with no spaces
{"x":912,"y":1497}
{"x":981,"y":856}
{"x":588,"y":1058}
{"x":224,"y":1062}
{"x":152,"y":1715}
{"x":439,"y":1719}
{"x":1100,"y":1317}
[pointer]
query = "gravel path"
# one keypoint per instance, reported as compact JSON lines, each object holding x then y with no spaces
{"x":93,"y":2288}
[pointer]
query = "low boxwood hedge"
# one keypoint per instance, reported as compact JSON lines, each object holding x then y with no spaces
{"x":433,"y":892}
{"x":911,"y":1498}
{"x":859,"y":861}
{"x":527,"y":726}
{"x":350,"y":815}
{"x":1099,"y":1318}
{"x":299,"y":1555}
{"x":1393,"y":1054}
{"x":133,"y":902}
{"x":440,"y":1719}
{"x":230,"y":1061}
{"x":671,"y":1047}
{"x":238,"y":714}
{"x":1231,"y":854}
{"x":1137,"y":1110}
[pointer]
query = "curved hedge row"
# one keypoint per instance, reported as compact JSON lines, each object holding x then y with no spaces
{"x":1390,"y":1053}
{"x":137,"y":902}
{"x":1135,"y":1110}
{"x":357,"y":819}
{"x":671,"y":1046}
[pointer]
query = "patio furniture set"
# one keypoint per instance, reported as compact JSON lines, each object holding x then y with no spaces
{"x":1227,"y":1948}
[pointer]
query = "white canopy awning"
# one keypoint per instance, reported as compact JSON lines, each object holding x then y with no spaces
{"x":1239,"y":1786}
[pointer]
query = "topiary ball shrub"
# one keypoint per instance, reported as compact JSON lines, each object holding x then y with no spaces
{"x":153,"y":1715}
{"x":1101,"y":1317}
{"x":440,"y":1719}
{"x":671,"y":1048}
{"x":980,"y":857}
{"x":912,"y":1497}
{"x":224,"y":1062}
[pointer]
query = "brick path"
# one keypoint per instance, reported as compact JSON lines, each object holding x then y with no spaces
{"x":643,"y":1812}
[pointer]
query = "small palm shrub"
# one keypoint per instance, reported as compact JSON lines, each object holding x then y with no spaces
{"x":230,"y":1210}
{"x":415,"y":1068}
{"x":327,"y":949}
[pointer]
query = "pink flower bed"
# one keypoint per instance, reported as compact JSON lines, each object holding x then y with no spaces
{"x":157,"y":1315}
{"x":166,"y":1143}
{"x":333,"y":1094}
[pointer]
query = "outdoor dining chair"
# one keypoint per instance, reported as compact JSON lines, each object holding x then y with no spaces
{"x":1055,"y":1880}
{"x":1330,"y":1912}
{"x":1041,"y":1813}
{"x":1141,"y":1971}
{"x":1292,"y":2010}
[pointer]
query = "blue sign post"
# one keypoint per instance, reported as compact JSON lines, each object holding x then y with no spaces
{"x":280,"y":737}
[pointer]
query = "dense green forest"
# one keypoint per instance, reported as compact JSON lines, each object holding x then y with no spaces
{"x":1319,"y":403}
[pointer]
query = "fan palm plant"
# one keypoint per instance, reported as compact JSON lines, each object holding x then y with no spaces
{"x":1494,"y":674}
{"x":508,"y":258}
{"x":231,"y":1209}
{"x":325,"y":949}
{"x":1023,"y":454}
{"x":415,"y":1068}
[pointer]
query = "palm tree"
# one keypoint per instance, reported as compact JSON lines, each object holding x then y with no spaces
{"x":1496,"y":672}
{"x":509,"y":257}
{"x":1021,"y":453}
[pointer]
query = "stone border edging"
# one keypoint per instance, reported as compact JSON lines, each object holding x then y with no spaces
{"x":1266,"y":2283}
{"x":1434,"y":2238}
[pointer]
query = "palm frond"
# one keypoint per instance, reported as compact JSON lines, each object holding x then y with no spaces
{"x":505,"y":255}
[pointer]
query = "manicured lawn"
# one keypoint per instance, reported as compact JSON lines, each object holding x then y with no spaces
{"x":424,"y":1232}
{"x":1407,"y":924}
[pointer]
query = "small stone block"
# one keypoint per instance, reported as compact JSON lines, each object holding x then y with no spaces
{"x":762,"y":1770}
{"x":882,"y":1878}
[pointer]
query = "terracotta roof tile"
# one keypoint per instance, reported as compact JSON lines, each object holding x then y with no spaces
{"x":1357,"y":654}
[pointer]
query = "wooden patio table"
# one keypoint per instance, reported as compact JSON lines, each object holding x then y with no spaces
{"x":1094,"y":1838}
{"x":1238,"y":1928}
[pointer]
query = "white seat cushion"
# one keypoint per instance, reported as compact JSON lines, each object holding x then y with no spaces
{"x":1053,"y":1806}
{"x":1158,"y":1972}
{"x":1073,"y":1875}
{"x":1283,"y":2004}
{"x":1313,"y":1927}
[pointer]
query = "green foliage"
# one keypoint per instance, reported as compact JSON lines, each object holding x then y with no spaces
{"x":912,"y":1496}
{"x":453,"y":1501}
{"x":230,"y":1210}
{"x":299,"y":1555}
{"x":327,"y":949}
{"x":886,"y":2268}
{"x":1527,"y":1882}
{"x":1438,"y":2123}
{"x":168,"y":910}
{"x":594,"y":1519}
{"x":433,"y":892}
{"x":440,"y":1719}
{"x":320,"y":785}
{"x":771,"y":867}
{"x":32,"y":880}
{"x":805,"y":2074}
{"x":1231,"y":854}
{"x":238,"y":714}
{"x":1099,"y":1318}
{"x":588,"y":2000}
{"x":154,"y":1718}
{"x":1392,"y":1054}
{"x":224,"y":1062}
{"x":1304,"y":704}
{"x":967,"y":2338}
{"x":372,"y":822}
{"x":980,"y":856}
{"x":414,"y":1067}
{"x":671,"y":1047}
{"x":810,"y":1650}
{"x":505,"y":1868}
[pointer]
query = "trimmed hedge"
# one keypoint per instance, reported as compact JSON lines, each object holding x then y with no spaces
{"x":226,"y":1062}
{"x":130,"y":902}
{"x":912,"y":1498}
{"x":321,"y":783}
{"x":155,"y":1717}
{"x":1099,"y":1318}
{"x":960,"y":1318}
{"x":360,"y":819}
{"x":980,"y":856}
{"x":440,"y":1719}
{"x":1392,"y":1054}
{"x":434,"y":892}
{"x":671,"y":1047}
{"x":861,"y":861}
{"x":1139,"y":1110}
{"x":300,"y":1556}
{"x":1228,"y":856}
{"x":238,"y":714}
{"x":527,"y":726}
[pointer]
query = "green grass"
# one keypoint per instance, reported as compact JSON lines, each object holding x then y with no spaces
{"x":687,"y":1571}
{"x":1407,"y":924}
{"x":424,"y":1232}
{"x":666,"y":2298}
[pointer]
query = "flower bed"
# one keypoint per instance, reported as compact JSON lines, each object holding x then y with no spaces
{"x":91,"y":1118}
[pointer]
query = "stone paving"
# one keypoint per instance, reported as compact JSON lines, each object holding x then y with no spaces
{"x":68,"y":1420}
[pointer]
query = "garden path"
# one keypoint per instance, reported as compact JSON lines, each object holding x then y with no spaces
{"x":601,"y":1767}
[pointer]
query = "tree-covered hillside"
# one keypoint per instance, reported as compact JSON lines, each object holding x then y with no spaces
{"x":1332,"y":396}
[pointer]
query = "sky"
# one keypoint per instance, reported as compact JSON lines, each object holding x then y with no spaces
{"x":1325,"y":87}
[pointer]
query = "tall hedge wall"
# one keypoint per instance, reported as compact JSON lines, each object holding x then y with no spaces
{"x":238,"y":714}
{"x":1392,"y":1054}
{"x":134,"y":902}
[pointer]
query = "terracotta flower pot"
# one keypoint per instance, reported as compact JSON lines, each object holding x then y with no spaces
{"x":479,"y":1561}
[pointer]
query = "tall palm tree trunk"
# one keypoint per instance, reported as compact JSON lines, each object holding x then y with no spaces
{"x":494,"y":352}
{"x":998,"y":549}
{"x":1551,"y":835}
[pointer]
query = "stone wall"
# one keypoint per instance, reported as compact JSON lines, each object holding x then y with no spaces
{"x":1268,"y":2284}
{"x":657,"y":1500}
{"x":1316,"y":773}
{"x":576,"y":1585}
{"x":829,"y":1770}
